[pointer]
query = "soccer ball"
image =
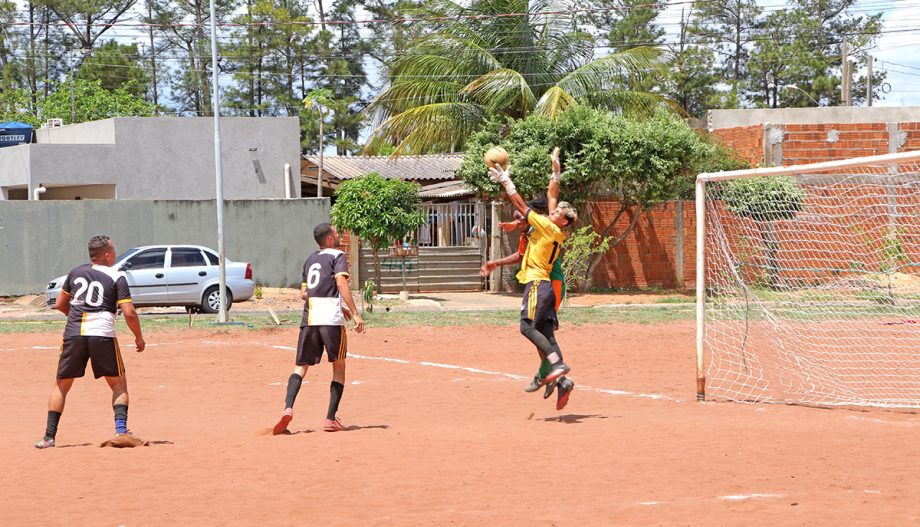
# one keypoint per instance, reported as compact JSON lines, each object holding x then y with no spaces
{"x":496,"y":154}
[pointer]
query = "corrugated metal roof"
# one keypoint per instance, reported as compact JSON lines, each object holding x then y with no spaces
{"x":447,"y":189}
{"x":415,"y":168}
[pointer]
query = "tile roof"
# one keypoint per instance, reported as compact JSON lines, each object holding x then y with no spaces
{"x":414,"y":168}
{"x":444,"y":190}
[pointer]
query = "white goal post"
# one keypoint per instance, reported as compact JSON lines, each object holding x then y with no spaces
{"x":808,"y":283}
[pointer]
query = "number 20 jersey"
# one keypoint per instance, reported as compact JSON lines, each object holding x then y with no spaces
{"x":324,"y":303}
{"x":95,"y":292}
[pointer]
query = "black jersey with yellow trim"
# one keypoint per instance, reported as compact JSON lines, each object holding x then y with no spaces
{"x":323,"y":306}
{"x":95,"y":293}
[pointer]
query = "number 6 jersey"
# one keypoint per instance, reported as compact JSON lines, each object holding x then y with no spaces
{"x":324,"y":303}
{"x":95,"y":292}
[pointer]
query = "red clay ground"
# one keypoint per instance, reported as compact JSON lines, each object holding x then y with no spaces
{"x":431,"y":445}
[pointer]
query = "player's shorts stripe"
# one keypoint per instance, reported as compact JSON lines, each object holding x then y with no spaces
{"x":83,"y":324}
{"x":124,"y":301}
{"x":532,"y":300}
{"x":343,"y":347}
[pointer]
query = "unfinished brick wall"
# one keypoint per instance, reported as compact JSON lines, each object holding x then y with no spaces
{"x":747,"y":141}
{"x":647,"y":257}
{"x":813,"y":143}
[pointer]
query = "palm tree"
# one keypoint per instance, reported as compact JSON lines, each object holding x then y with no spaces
{"x":481,"y":61}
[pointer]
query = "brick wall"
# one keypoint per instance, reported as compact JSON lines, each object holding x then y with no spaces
{"x":813,"y":143}
{"x":747,"y":141}
{"x":647,"y":257}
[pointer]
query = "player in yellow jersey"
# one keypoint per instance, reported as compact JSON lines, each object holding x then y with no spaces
{"x":538,"y":312}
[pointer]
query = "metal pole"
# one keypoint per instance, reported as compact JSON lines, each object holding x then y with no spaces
{"x":869,"y":82}
{"x":215,"y":108}
{"x":845,"y":71}
{"x":495,"y":282}
{"x":73,"y":111}
{"x":319,"y":176}
{"x":700,"y":288}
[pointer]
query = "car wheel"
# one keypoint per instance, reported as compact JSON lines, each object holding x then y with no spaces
{"x":210,"y":301}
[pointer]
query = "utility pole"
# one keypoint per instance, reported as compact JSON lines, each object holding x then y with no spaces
{"x":319,"y":175}
{"x":869,"y":82}
{"x":73,"y":108}
{"x":845,"y":72}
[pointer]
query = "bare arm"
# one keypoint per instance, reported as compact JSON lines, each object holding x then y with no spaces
{"x":552,"y":193}
{"x":303,"y":291}
{"x":341,"y":281}
{"x":501,"y":262}
{"x":503,"y":178}
{"x":62,"y":303}
{"x":134,"y":324}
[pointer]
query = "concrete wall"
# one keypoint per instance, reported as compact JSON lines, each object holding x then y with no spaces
{"x":161,"y":157}
{"x":42,"y":240}
{"x":824,"y":115}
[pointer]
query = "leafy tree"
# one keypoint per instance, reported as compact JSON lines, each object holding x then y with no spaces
{"x":16,"y":105}
{"x":189,"y":31}
{"x":89,"y":19}
{"x":689,"y":78}
{"x":580,"y":249}
{"x":92,"y":102}
{"x":115,"y":65}
{"x":728,"y":26}
{"x":477,"y":64}
{"x":379,"y":211}
{"x":801,"y":46}
{"x":639,"y":163}
{"x":636,"y":25}
{"x":764,"y":200}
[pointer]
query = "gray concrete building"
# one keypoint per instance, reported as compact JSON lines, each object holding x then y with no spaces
{"x":158,"y":158}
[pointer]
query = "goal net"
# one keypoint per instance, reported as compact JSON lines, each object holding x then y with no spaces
{"x":809,"y":292}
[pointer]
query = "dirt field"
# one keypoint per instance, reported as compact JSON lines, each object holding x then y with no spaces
{"x":440,"y":434}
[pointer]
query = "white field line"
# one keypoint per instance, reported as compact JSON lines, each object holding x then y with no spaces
{"x":510,"y":376}
{"x":742,"y":497}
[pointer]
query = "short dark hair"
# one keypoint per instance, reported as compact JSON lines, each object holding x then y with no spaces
{"x":321,"y":232}
{"x":98,"y":245}
{"x":539,"y":204}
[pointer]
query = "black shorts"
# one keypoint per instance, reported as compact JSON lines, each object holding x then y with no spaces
{"x":539,"y":302}
{"x":103,"y":351}
{"x":313,"y":339}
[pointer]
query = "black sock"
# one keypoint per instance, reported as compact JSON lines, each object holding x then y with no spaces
{"x":121,"y":418}
{"x":294,"y":382}
{"x":335,"y":395}
{"x":51,"y":428}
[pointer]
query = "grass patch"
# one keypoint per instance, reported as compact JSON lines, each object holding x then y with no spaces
{"x":675,"y":300}
{"x":576,"y":316}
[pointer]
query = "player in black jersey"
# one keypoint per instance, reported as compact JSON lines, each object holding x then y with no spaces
{"x":90,"y":297}
{"x":324,"y":288}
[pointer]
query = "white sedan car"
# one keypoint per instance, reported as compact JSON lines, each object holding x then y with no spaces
{"x":176,"y":275}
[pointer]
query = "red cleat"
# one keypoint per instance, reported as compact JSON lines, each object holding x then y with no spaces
{"x":333,"y":425}
{"x":281,"y":426}
{"x":564,"y":390}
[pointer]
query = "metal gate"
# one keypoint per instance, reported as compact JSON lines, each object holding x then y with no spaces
{"x":452,"y":246}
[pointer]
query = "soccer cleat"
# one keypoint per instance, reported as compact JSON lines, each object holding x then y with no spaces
{"x":559,"y":369}
{"x":45,"y":443}
{"x":333,"y":425}
{"x":281,"y":426}
{"x":551,"y":386}
{"x":565,"y":390}
{"x":534,"y":385}
{"x":125,"y":433}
